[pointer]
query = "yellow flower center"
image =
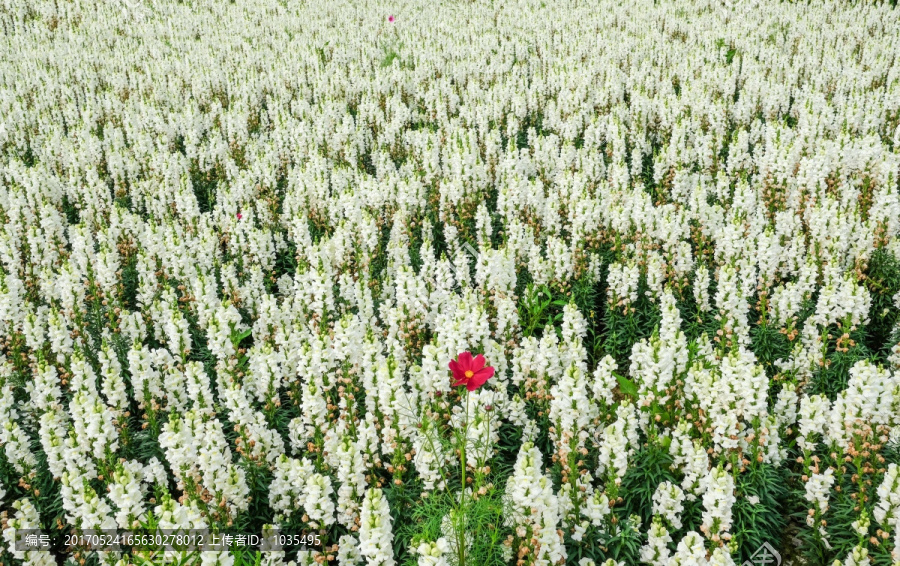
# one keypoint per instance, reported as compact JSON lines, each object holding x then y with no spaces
{"x":469,"y":373}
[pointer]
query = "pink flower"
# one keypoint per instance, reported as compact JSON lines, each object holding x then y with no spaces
{"x":469,"y":371}
{"x":239,"y":216}
{"x":391,"y":19}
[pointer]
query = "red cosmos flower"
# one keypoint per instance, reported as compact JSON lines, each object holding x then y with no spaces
{"x":239,"y":215}
{"x":469,"y":371}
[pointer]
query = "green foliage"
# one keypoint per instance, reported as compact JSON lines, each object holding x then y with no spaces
{"x":540,"y":308}
{"x":841,"y":514}
{"x":892,"y":453}
{"x":482,"y":519}
{"x":589,"y":296}
{"x":405,"y":502}
{"x":883,"y":282}
{"x":652,"y":465}
{"x":756,"y":522}
{"x":695,"y":322}
{"x":259,"y":512}
{"x":391,"y":52}
{"x":624,"y":541}
{"x":585,"y":296}
{"x":130,"y":282}
{"x":507,"y":448}
{"x":845,"y":348}
{"x":729,"y":54}
{"x":541,"y":415}
{"x":286,"y":261}
{"x":626,"y":386}
{"x":588,"y":547}
{"x":624,"y":329}
{"x":769,"y":345}
{"x":71,"y":210}
{"x":691,"y":518}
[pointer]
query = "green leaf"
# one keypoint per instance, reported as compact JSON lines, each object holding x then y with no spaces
{"x":627,"y":387}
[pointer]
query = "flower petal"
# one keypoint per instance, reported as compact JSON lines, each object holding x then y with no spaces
{"x":465,"y":360}
{"x":487,"y":371}
{"x":478,"y":362}
{"x":480,"y":378}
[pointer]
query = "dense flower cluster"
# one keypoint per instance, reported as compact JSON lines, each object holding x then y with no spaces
{"x":244,"y":245}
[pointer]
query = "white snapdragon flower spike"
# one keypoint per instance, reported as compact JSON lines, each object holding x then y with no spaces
{"x":656,"y":551}
{"x":431,"y":456}
{"x":861,"y":525}
{"x":351,"y":477}
{"x":262,"y":441}
{"x":657,"y":363}
{"x":731,"y":392}
{"x":623,"y":283}
{"x":690,"y":551}
{"x":571,"y":410}
{"x":92,"y":421}
{"x":818,"y":491}
{"x":689,"y":456}
{"x":812,"y":419}
{"x":859,"y":556}
{"x":534,"y":508}
{"x":619,"y":441}
{"x":604,"y":381}
{"x":197,"y":449}
{"x":887,"y":508}
{"x":173,"y":515}
{"x":286,"y":492}
{"x":83,"y":505}
{"x":348,"y":551}
{"x":113,"y":386}
{"x":786,"y":407}
{"x":126,"y":492}
{"x":718,"y":500}
{"x":26,"y":517}
{"x":16,"y":445}
{"x":732,"y":304}
{"x":434,"y":553}
{"x":318,"y":500}
{"x":869,"y":398}
{"x":375,"y":535}
{"x":668,"y":503}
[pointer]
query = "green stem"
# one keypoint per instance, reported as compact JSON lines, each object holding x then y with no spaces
{"x":487,"y":444}
{"x":464,"y":442}
{"x":460,"y":536}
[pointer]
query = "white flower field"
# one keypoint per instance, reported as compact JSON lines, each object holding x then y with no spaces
{"x":450,"y":282}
